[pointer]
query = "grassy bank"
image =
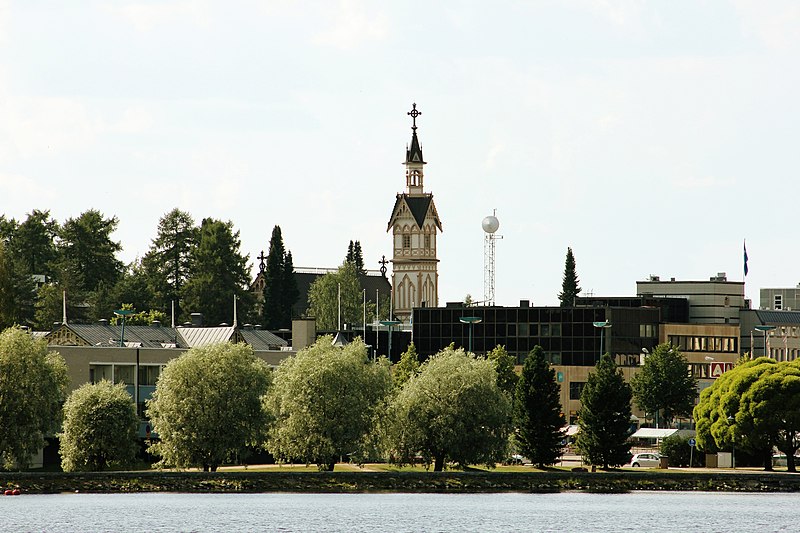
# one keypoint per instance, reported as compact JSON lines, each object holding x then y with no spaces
{"x":454,"y":482}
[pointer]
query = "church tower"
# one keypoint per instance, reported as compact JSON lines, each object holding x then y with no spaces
{"x":414,"y":224}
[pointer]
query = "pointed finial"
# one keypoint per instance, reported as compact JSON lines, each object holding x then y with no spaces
{"x":414,"y":114}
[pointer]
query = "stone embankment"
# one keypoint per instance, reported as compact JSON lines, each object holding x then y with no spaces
{"x":419,"y":482}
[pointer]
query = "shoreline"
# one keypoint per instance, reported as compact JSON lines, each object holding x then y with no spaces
{"x":399,"y":482}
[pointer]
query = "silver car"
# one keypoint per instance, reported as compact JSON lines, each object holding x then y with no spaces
{"x":646,"y":460}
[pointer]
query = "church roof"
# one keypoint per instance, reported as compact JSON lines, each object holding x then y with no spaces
{"x":419,"y":206}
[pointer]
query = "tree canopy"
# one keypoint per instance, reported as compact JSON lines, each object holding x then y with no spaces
{"x":219,"y":271}
{"x":325,"y":400}
{"x":664,"y":387}
{"x":323,"y":298}
{"x":33,"y":385}
{"x":407,"y":367}
{"x":569,"y":285}
{"x":504,"y":366}
{"x":280,"y":288}
{"x":100,"y":427}
{"x":453,"y":411}
{"x":207,"y":406}
{"x":86,"y":251}
{"x":356,"y":257}
{"x":605,"y":416}
{"x":538,"y":415}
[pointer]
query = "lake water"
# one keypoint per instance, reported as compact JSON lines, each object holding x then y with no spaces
{"x":563,"y":512}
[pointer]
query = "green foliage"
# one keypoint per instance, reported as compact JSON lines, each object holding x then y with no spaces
{"x":356,"y":257}
{"x":218,"y":273}
{"x":664,"y":384}
{"x":142,"y":318}
{"x":452,"y":411}
{"x":32,"y":242}
{"x":280,"y":289}
{"x":503,"y":363}
{"x":407,"y":367}
{"x":207,"y":406}
{"x":16,"y":291}
{"x":538,"y":415}
{"x":677,"y":449}
{"x":134,"y":288}
{"x":99,"y":431}
{"x":168,"y":264}
{"x":762,"y":398}
{"x":323,"y":298}
{"x":605,"y":416}
{"x":86,"y":251}
{"x":33,"y":384}
{"x":569,"y":286}
{"x":325,"y":401}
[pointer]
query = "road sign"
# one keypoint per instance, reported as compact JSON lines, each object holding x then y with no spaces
{"x":692,"y":442}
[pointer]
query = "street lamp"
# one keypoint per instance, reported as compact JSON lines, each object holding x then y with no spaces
{"x":390,"y":323}
{"x":765,"y":328}
{"x":123,"y":313}
{"x":471,"y":320}
{"x":602,"y":325}
{"x":733,"y":443}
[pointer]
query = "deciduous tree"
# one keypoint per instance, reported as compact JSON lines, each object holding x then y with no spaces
{"x":100,"y":426}
{"x":323,"y":298}
{"x":407,"y":367}
{"x":504,"y":366}
{"x":207,"y":406}
{"x":664,"y":387}
{"x":325,"y":400}
{"x":33,"y":385}
{"x":538,"y":415}
{"x":605,"y":416}
{"x":452,"y":411}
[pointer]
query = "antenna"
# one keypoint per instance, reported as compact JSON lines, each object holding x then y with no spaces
{"x":490,"y":225}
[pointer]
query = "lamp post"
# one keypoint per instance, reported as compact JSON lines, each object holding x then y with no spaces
{"x":733,"y":443}
{"x":123,"y":313}
{"x":602,"y":326}
{"x":765,"y":328}
{"x":390,"y":323}
{"x":471,"y":320}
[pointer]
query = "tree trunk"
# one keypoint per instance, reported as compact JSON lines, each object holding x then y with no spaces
{"x":768,"y":460}
{"x":438,"y":463}
{"x":790,"y":466}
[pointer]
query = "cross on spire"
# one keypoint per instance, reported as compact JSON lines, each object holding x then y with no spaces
{"x":383,"y":262}
{"x":262,"y":266}
{"x":414,"y":114}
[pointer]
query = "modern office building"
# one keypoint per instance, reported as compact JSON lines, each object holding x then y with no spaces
{"x":716,"y":301}
{"x":779,"y":299}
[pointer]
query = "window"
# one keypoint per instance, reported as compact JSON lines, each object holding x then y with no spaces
{"x":555,"y":330}
{"x":148,"y":375}
{"x":406,"y":241}
{"x":428,"y":241}
{"x":778,"y":302}
{"x":647,"y":330}
{"x":98,"y":373}
{"x":522,"y":329}
{"x":575,"y":389}
{"x":545,"y":330}
{"x":124,"y":374}
{"x":554,"y":358}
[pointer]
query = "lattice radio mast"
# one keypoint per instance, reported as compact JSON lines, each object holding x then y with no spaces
{"x":490,"y":225}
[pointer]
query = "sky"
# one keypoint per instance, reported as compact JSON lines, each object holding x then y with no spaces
{"x":652,"y":138}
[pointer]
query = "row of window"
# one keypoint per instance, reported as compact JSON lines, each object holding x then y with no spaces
{"x":124,"y":373}
{"x":693,"y":343}
{"x":407,"y":241}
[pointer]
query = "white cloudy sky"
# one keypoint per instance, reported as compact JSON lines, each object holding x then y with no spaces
{"x":651,"y":137}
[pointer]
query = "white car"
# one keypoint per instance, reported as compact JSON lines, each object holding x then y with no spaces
{"x":646,"y":460}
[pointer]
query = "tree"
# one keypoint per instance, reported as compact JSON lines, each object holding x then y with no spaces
{"x":33,"y":384}
{"x":168,"y":263}
{"x":100,"y":426}
{"x":323,"y":298}
{"x":569,"y":286}
{"x":135,"y":289}
{"x":86,"y":251}
{"x":280,"y":288}
{"x":538,"y":415}
{"x":356,"y":257}
{"x":407,"y":367}
{"x":33,"y":243}
{"x":664,"y":385}
{"x":207,"y":406}
{"x":16,"y":291}
{"x":219,"y":272}
{"x":452,"y":411}
{"x":605,"y":416}
{"x":753,"y":407}
{"x":504,"y":366}
{"x":325,"y":400}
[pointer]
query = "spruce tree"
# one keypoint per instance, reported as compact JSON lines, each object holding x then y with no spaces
{"x":355,"y":257}
{"x":605,"y":416}
{"x":538,"y":415}
{"x":569,"y":287}
{"x":280,"y":289}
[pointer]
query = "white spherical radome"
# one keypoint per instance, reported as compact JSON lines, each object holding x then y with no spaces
{"x":490,"y":224}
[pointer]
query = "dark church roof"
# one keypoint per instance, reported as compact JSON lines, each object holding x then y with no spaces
{"x":418,"y":205}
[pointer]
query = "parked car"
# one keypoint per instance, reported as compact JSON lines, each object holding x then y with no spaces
{"x":646,"y":460}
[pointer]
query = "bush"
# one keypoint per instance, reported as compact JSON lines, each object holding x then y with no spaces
{"x":677,"y":449}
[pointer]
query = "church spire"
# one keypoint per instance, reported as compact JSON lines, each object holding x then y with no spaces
{"x":414,"y":160}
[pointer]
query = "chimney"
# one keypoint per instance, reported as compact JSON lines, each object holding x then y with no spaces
{"x":103,"y":321}
{"x":524,"y":303}
{"x":156,"y":323}
{"x":197,"y":320}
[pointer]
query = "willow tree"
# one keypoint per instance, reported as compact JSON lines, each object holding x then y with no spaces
{"x":325,"y":400}
{"x":452,"y":411}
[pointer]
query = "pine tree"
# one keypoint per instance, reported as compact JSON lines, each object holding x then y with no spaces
{"x":355,"y":257}
{"x":605,"y":416}
{"x":569,"y":287}
{"x":538,"y":415}
{"x":280,"y":288}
